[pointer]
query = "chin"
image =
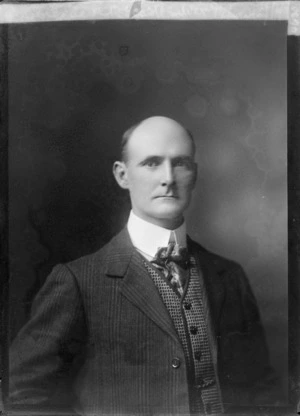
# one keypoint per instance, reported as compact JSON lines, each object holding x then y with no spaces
{"x":170,"y":214}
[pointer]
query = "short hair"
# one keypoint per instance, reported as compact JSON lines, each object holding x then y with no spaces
{"x":128,"y":133}
{"x":125,"y":138}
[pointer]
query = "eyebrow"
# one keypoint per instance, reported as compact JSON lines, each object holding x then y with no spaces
{"x":184,"y":158}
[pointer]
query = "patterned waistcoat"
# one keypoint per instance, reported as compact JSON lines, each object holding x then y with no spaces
{"x":190,"y":316}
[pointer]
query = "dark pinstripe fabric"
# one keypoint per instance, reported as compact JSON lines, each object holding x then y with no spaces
{"x":101,"y":335}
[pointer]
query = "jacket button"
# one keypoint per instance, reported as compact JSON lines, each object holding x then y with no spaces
{"x":200,"y":384}
{"x":193,"y":330}
{"x":176,"y":362}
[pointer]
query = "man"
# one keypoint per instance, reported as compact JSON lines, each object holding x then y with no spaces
{"x":152,"y":324}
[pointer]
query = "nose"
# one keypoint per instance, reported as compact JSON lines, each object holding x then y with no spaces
{"x":167,"y":178}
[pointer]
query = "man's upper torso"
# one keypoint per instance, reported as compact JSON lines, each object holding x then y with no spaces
{"x":101,"y":326}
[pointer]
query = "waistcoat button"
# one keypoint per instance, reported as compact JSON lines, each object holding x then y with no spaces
{"x":193,"y":330}
{"x":176,"y":362}
{"x":187,"y":306}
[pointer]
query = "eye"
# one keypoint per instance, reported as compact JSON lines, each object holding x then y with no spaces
{"x":182,"y":163}
{"x":151,"y":162}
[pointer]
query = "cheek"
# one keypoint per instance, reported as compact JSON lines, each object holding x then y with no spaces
{"x":140,"y":189}
{"x":142,"y":182}
{"x":186,"y":182}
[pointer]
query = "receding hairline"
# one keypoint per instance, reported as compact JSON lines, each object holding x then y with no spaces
{"x":129,"y":132}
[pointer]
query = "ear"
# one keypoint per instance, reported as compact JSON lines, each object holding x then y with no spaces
{"x":120,"y":173}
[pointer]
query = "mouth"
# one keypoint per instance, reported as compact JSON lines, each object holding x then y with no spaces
{"x":166,"y":197}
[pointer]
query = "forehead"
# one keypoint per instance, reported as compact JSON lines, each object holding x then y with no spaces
{"x":159,"y":138}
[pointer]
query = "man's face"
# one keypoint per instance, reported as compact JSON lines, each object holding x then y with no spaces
{"x":160,"y":171}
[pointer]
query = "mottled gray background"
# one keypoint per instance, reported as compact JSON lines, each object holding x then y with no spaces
{"x":75,"y":87}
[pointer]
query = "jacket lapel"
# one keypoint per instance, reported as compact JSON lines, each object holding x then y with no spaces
{"x":137,"y":286}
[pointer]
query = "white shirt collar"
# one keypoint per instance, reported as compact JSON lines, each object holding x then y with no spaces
{"x":147,"y":237}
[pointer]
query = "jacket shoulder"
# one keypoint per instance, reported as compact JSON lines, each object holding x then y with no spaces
{"x":116,"y":251}
{"x":221,"y":264}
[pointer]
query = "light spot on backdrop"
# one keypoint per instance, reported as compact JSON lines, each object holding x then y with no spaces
{"x":167,"y":71}
{"x":196,"y":106}
{"x":229,"y":104}
{"x":202,"y":73}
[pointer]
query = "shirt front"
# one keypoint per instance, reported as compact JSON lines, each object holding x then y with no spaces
{"x":147,"y":237}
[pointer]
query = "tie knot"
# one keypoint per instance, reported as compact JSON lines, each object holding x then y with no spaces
{"x":172,"y":253}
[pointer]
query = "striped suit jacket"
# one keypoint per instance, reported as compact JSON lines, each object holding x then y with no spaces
{"x":100,"y":340}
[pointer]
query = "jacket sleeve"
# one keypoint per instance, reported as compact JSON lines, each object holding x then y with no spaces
{"x":42,"y":353}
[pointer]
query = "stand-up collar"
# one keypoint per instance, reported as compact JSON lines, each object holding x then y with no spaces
{"x":147,"y":237}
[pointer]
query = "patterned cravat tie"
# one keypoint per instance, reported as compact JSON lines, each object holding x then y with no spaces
{"x":173,"y":261}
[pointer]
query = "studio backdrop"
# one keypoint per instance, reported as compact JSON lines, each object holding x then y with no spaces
{"x":75,"y":87}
